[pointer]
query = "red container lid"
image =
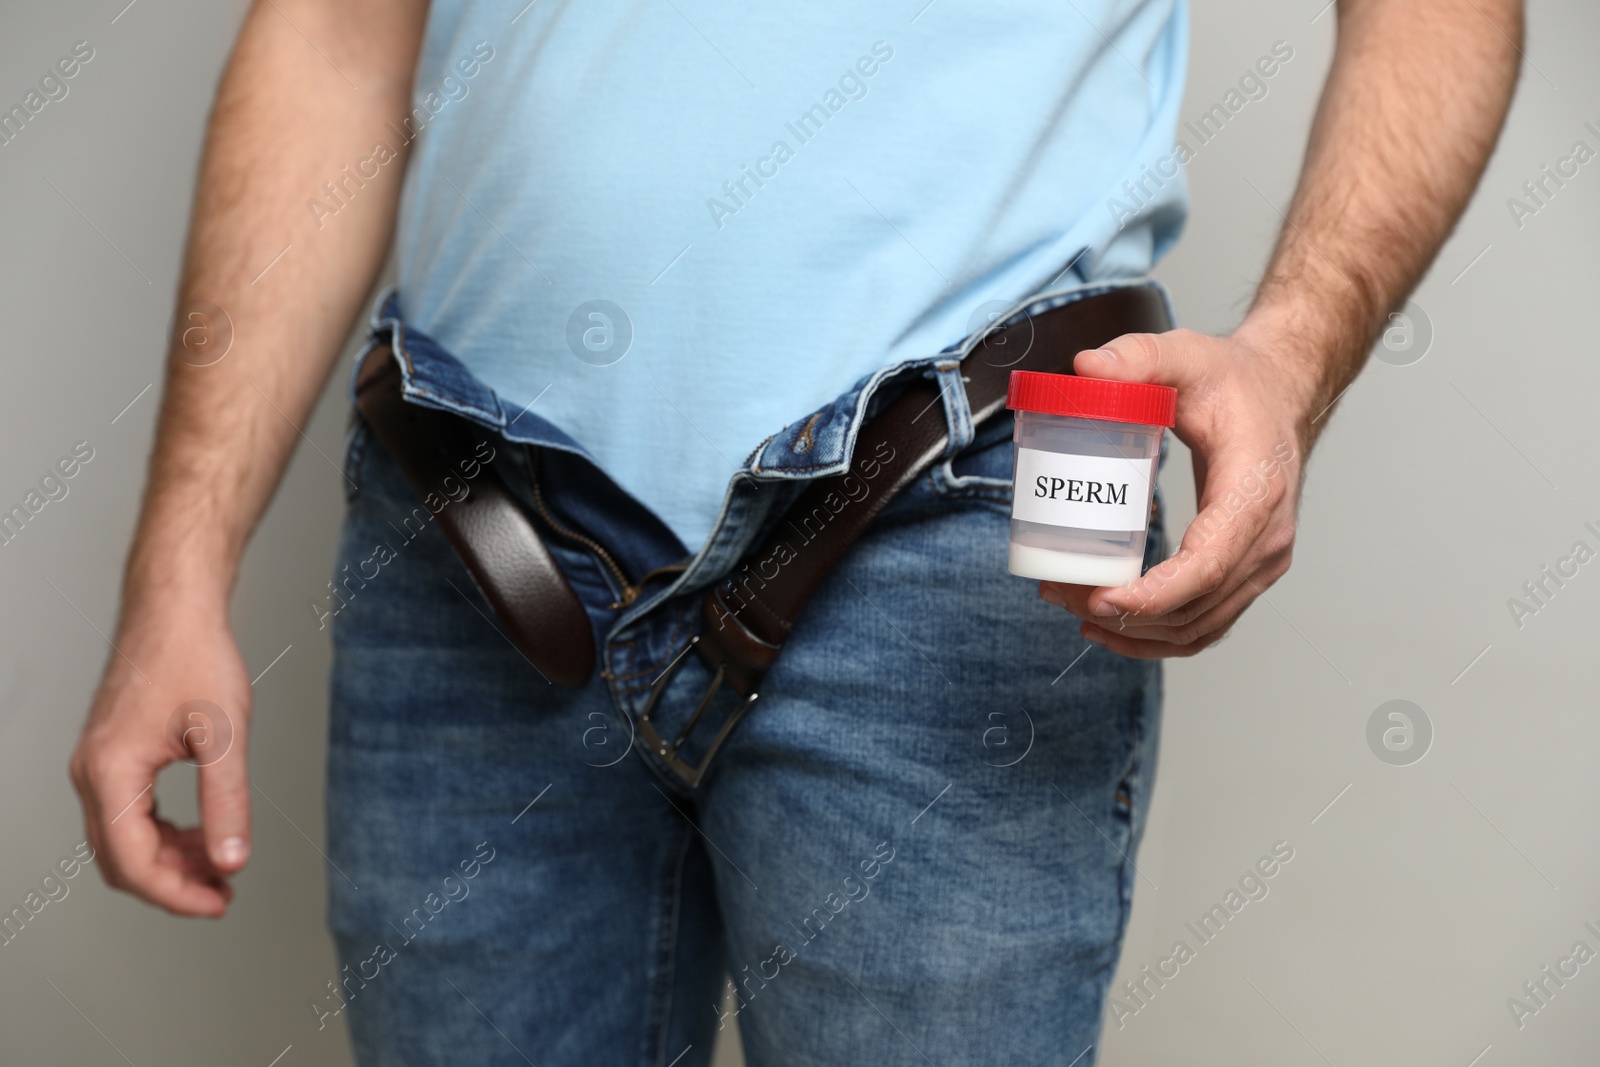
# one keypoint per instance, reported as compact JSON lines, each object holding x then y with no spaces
{"x":1092,"y":398}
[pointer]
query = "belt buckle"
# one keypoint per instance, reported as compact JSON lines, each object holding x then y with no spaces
{"x":667,"y":751}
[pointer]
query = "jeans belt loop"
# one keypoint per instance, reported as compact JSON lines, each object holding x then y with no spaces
{"x":957,"y":411}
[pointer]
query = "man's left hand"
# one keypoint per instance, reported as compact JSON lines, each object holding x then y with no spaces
{"x":1244,"y":414}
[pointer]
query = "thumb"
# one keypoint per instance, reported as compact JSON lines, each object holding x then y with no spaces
{"x":217,"y":744}
{"x":1158,"y":358}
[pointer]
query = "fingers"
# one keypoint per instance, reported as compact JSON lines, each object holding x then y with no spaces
{"x":185,"y":851}
{"x":137,"y":855}
{"x":1198,"y":615}
{"x":189,"y":670}
{"x":1194,"y":572}
{"x":225,"y":804}
{"x":1217,"y":542}
{"x":1179,"y":358}
{"x":1182,"y":639}
{"x":114,"y":770}
{"x":1136,"y":648}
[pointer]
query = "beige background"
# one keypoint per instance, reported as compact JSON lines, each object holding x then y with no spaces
{"x":1415,"y":905}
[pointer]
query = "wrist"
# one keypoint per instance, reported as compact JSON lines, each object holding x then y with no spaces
{"x":1289,"y":349}
{"x":160,"y":593}
{"x":1312,"y":349}
{"x":185,"y":568}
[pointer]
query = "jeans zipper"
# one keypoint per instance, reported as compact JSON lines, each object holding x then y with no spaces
{"x":629,"y":590}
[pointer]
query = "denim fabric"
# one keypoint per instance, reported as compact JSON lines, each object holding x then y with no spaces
{"x":916,"y":848}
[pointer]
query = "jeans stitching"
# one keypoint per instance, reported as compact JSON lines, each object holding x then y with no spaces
{"x":668,"y":913}
{"x":355,"y":457}
{"x":1126,"y":814}
{"x":680,"y":626}
{"x":804,"y":442}
{"x":959,"y":427}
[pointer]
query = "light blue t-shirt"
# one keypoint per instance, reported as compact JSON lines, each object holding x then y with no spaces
{"x":674,"y":226}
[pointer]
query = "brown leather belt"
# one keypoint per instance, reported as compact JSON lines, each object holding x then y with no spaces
{"x":493,"y":535}
{"x":749,"y":615}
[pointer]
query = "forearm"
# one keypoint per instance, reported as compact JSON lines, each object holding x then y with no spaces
{"x":286,"y":120}
{"x":1413,"y":104}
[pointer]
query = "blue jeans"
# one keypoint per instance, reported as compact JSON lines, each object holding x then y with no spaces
{"x":916,"y":848}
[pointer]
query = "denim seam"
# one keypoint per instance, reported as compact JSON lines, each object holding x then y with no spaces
{"x":750,"y":460}
{"x":495,"y":421}
{"x":355,"y":457}
{"x":861,"y":402}
{"x":623,"y":650}
{"x":396,"y":328}
{"x":1124,"y":894}
{"x":1129,"y":816}
{"x":802,"y":470}
{"x":1124,"y":907}
{"x":668,"y":912}
{"x":679,"y":633}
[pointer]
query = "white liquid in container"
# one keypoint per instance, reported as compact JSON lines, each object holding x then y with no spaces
{"x":1075,"y":568}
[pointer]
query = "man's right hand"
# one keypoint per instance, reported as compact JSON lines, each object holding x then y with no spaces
{"x":165,"y":660}
{"x":310,"y":88}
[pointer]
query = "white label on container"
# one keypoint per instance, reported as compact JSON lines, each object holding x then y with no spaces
{"x":1086,"y":492}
